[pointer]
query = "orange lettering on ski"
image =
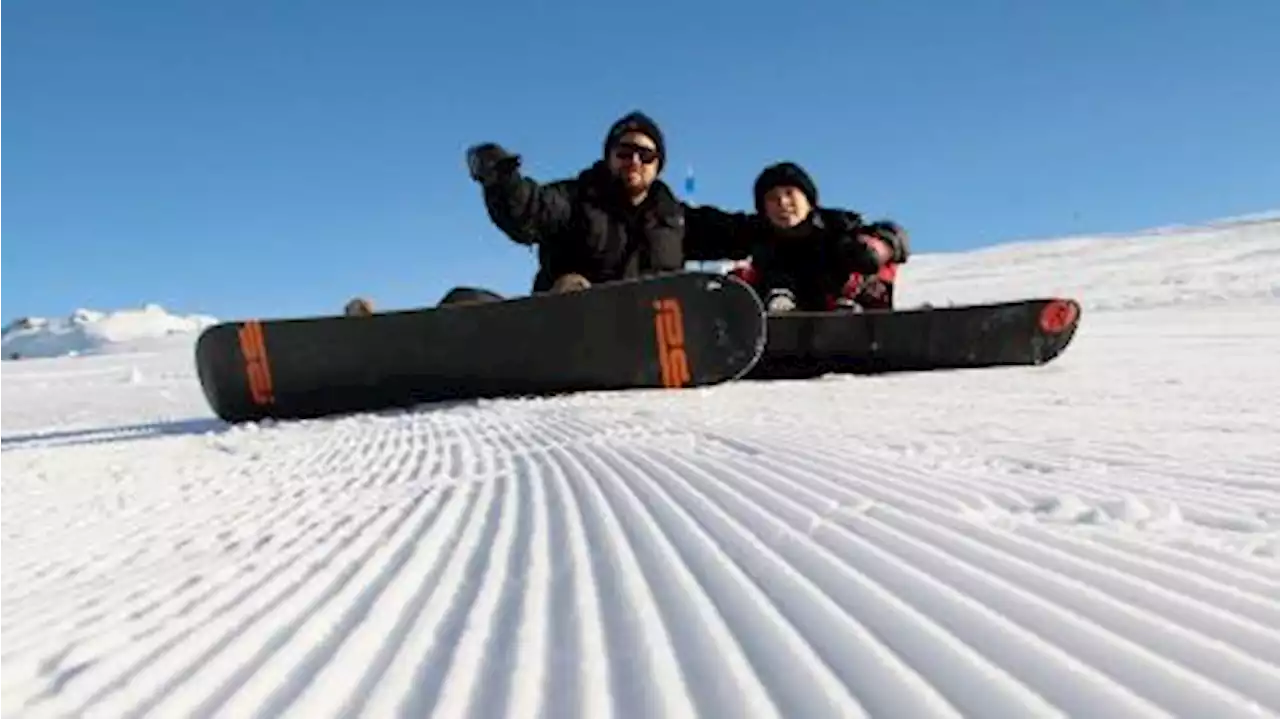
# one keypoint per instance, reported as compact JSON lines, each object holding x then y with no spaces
{"x":668,"y":322}
{"x":254,"y":348}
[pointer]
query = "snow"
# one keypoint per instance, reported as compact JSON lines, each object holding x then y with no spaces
{"x":1095,"y":537}
{"x":1226,"y":262}
{"x":94,"y":332}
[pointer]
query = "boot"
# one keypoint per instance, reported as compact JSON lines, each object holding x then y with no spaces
{"x":780,"y":300}
{"x":571,"y":282}
{"x":358,"y":307}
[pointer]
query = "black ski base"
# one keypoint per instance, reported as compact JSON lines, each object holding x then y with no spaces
{"x":686,"y":329}
{"x":1019,"y":333}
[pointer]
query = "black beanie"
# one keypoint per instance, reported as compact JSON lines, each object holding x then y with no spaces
{"x":786,"y":174}
{"x":637,"y":122}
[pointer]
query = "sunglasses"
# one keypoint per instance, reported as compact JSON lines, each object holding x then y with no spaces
{"x":625,"y":150}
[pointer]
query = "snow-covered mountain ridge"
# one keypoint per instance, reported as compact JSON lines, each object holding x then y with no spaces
{"x":87,"y":331}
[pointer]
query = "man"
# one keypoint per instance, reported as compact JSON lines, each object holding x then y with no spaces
{"x":615,"y":220}
{"x":804,"y":256}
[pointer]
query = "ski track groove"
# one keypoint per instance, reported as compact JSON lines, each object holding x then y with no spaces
{"x":282,"y":676}
{"x":378,"y":641}
{"x":582,"y":679}
{"x":1211,"y":590}
{"x":280,"y":680}
{"x":1052,"y":475}
{"x":695,"y":608}
{"x":526,"y":659}
{"x":563,"y":617}
{"x":873,"y":679}
{"x":228,"y":662}
{"x":1180,"y":585}
{"x":1055,"y":477}
{"x":1104,"y":489}
{"x":575,"y":558}
{"x":797,"y":519}
{"x":641,"y":646}
{"x":1219,"y":665}
{"x":1209,"y":566}
{"x":136,"y":592}
{"x":414,"y":678}
{"x":182,"y":653}
{"x":479,"y":680}
{"x":929,"y":480}
{"x":1262,"y":569}
{"x":257,"y":589}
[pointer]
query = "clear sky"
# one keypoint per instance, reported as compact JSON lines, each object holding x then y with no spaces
{"x":273,"y":157}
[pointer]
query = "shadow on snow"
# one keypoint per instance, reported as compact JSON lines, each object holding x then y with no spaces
{"x":191,"y":427}
{"x":114,"y":433}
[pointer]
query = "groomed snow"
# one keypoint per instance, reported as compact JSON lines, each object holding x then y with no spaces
{"x":94,"y":332}
{"x":1099,"y":537}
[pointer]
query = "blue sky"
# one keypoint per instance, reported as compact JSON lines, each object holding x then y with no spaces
{"x":264,"y":157}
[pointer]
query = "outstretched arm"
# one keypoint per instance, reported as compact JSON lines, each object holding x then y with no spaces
{"x":526,"y":211}
{"x":866,"y":247}
{"x":712,"y":234}
{"x":888,"y":239}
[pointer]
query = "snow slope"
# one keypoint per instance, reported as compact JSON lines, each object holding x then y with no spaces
{"x":1177,"y":266}
{"x":93,"y":332}
{"x":1099,"y":537}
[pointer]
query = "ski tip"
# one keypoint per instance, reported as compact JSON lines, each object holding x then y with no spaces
{"x":1059,"y":315}
{"x":1057,"y":322}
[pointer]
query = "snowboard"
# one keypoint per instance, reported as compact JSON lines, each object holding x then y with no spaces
{"x":684,"y":329}
{"x":1018,"y":333}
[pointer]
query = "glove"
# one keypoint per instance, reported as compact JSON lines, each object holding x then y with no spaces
{"x":893,"y":237}
{"x":489,"y":163}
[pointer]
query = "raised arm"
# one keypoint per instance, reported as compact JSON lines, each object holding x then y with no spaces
{"x":526,"y":211}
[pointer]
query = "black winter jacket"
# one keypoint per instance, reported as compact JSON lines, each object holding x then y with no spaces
{"x":814,"y":259}
{"x":585,"y":225}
